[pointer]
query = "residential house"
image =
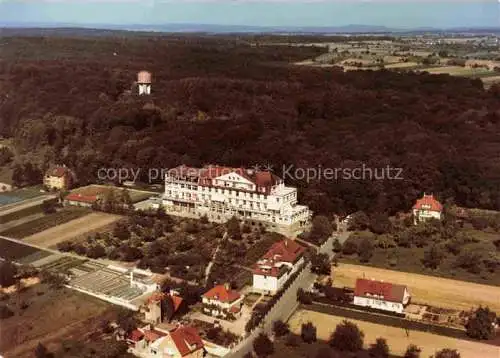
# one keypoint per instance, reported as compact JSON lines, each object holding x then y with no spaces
{"x":222,"y":301}
{"x":76,"y":199}
{"x":281,"y":261}
{"x":181,"y":342}
{"x":155,"y":310}
{"x":427,"y":208}
{"x":381,"y":295}
{"x":58,"y":178}
{"x":220,"y":193}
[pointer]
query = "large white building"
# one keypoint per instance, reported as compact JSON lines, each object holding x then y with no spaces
{"x":275,"y":268}
{"x":221,"y":192}
{"x":381,"y":295}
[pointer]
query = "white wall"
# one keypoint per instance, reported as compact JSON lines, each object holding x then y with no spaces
{"x":379,"y":304}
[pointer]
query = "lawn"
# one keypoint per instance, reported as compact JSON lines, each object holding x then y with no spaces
{"x":21,"y":194}
{"x":49,"y":220}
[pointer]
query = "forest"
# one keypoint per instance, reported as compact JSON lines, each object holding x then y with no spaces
{"x":237,"y":101}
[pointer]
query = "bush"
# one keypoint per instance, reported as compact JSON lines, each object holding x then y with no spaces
{"x":412,"y":351}
{"x":480,"y":325}
{"x":337,"y":246}
{"x":433,"y":257}
{"x":263,"y":346}
{"x":5,"y":312}
{"x":304,"y":297}
{"x":347,"y":337}
{"x":349,"y":248}
{"x":8,"y":273}
{"x":65,"y":246}
{"x":447,"y":353}
{"x":280,"y":328}
{"x":308,"y":332}
{"x":365,"y":250}
{"x":380,"y":349}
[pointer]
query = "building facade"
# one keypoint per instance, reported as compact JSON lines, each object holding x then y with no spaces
{"x":425,"y":208}
{"x":381,"y":295}
{"x":221,"y":301}
{"x":220,"y":193}
{"x":282,"y":260}
{"x":58,"y":178}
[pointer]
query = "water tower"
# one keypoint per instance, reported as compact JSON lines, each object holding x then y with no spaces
{"x":144,"y":82}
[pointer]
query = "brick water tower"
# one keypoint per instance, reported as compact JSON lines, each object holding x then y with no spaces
{"x":144,"y":82}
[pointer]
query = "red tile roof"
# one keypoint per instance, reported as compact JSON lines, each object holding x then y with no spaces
{"x":136,"y":335}
{"x":388,"y":291}
{"x":222,"y":294}
{"x":186,"y":339}
{"x":152,"y":335}
{"x":82,"y":198}
{"x":57,"y":171}
{"x":428,"y":202}
{"x":160,"y":296}
{"x":283,"y":251}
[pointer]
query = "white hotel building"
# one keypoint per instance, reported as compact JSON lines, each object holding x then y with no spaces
{"x":221,"y":192}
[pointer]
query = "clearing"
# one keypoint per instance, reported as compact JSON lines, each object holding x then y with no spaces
{"x":440,"y":292}
{"x":69,"y":230}
{"x":396,"y":337}
{"x":51,"y":317}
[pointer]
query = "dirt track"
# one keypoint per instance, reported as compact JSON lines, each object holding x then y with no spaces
{"x":71,"y":229}
{"x":431,"y":290}
{"x":396,"y":337}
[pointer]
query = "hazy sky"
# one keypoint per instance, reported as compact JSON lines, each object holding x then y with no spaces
{"x":392,"y":13}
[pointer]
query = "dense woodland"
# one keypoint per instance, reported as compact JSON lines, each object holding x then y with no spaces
{"x":227,"y":101}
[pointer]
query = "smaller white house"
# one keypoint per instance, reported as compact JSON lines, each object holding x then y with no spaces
{"x":221,"y":301}
{"x":381,"y":295}
{"x":143,"y":279}
{"x":427,"y":207}
{"x":275,"y":268}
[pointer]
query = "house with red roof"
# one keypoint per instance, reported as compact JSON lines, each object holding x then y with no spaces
{"x":58,"y":178}
{"x":221,"y":301}
{"x":381,"y":295}
{"x":427,"y":207}
{"x":274,"y":268}
{"x":219,"y":193}
{"x":180,"y":342}
{"x":155,"y":308}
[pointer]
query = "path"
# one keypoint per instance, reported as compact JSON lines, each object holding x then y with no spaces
{"x":211,"y":263}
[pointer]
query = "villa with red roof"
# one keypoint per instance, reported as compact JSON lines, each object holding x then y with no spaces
{"x":427,"y":207}
{"x":58,"y":178}
{"x":277,"y":265}
{"x":222,"y":301}
{"x":220,"y":193}
{"x":181,"y":342}
{"x":381,"y":295}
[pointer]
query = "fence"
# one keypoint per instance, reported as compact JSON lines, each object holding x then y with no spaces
{"x":281,"y":310}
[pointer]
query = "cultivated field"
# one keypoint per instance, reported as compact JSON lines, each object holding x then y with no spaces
{"x":51,"y":318}
{"x":72,"y":229}
{"x":396,"y":337}
{"x":456,"y":70}
{"x":44,"y":222}
{"x":431,"y":290}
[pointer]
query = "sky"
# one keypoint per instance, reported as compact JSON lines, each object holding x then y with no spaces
{"x":390,"y":13}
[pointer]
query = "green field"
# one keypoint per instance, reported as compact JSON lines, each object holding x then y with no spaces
{"x":45,"y":222}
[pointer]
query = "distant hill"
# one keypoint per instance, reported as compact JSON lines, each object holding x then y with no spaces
{"x":37,"y":29}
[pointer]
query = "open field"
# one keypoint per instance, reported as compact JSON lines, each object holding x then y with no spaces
{"x":457,"y":70}
{"x":71,"y":229}
{"x":44,"y":223}
{"x":50,"y":318}
{"x":396,"y":337}
{"x":401,"y":65}
{"x":20,"y":194}
{"x":432,"y":290}
{"x":14,"y":251}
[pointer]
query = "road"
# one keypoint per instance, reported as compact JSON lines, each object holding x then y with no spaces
{"x":286,"y":306}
